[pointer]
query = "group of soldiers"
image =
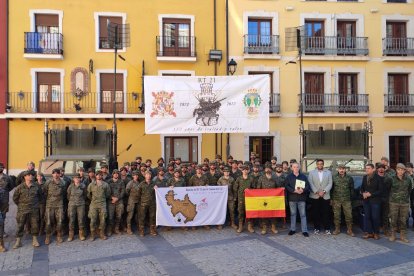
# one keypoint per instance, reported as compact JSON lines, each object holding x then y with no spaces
{"x":102,"y":203}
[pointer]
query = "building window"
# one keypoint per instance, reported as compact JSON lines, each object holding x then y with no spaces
{"x":107,"y":92}
{"x":262,"y":147}
{"x":398,"y":84}
{"x":259,"y":33}
{"x":104,"y":42}
{"x":314,"y":37}
{"x":47,"y":23}
{"x":176,"y":37}
{"x":48,"y":92}
{"x":184,"y":147}
{"x":314,"y":92}
{"x":399,"y":148}
{"x":396,"y":1}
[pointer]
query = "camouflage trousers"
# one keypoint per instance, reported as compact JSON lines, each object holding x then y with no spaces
{"x":133,"y":212}
{"x":32,"y":218}
{"x":115,"y":212}
{"x":2,"y":221}
{"x":149,"y":209}
{"x":76,"y":213}
{"x":95,"y":214}
{"x":42,"y":218}
{"x":346,"y":206}
{"x":399,"y":215}
{"x":54,"y":218}
{"x":241,"y":208}
{"x":230,"y":207}
{"x":385,"y":215}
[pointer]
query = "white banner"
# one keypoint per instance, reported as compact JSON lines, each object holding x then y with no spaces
{"x":191,"y":206}
{"x":219,"y":104}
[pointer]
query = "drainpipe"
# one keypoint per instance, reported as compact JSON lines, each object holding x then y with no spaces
{"x":215,"y":63}
{"x":227,"y":66}
{"x":7,"y":86}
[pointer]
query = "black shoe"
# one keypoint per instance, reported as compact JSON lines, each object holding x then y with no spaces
{"x":291,"y":233}
{"x":305,"y":234}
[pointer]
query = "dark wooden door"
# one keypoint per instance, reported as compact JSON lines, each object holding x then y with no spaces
{"x":398,"y":90}
{"x":399,"y":147}
{"x":176,"y":37}
{"x":263,"y":147}
{"x":348,"y":89}
{"x":314,"y":92}
{"x":48,"y":92}
{"x":396,"y":35}
{"x":346,"y":31}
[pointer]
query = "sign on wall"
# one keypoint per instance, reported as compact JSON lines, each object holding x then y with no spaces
{"x":219,"y":104}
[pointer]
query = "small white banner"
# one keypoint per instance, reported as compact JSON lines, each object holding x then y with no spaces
{"x":219,"y":104}
{"x":191,"y":206}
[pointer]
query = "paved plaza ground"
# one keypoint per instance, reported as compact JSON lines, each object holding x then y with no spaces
{"x":210,"y":252}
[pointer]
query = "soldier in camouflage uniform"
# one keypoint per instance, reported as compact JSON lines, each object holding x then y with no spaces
{"x":42,"y":204}
{"x":176,"y":180}
{"x":76,"y":207}
{"x":199,"y":179}
{"x":235,"y":172}
{"x":147,"y":204}
{"x":133,"y":201}
{"x":98,"y":192}
{"x":184,"y":174}
{"x":227,"y":180}
{"x":245,"y":181}
{"x":55,"y":193}
{"x":6,"y":186}
{"x":401,"y":187}
{"x":341,"y":193}
{"x":213,"y":175}
{"x":268,"y":181}
{"x":27,"y":197}
{"x":160,"y":180}
{"x":116,"y":203}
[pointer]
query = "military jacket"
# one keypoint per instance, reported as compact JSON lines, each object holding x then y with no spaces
{"x":198,"y":181}
{"x":117,"y":189}
{"x":55,"y":193}
{"x":266,"y":183}
{"x":400,"y":189}
{"x":146,"y":193}
{"x":235,"y":174}
{"x":6,"y":185}
{"x":42,"y":188}
{"x":126,"y":180}
{"x":342,"y":188}
{"x":242,"y":184}
{"x":132,"y":192}
{"x":162,"y":183}
{"x":27,"y":198}
{"x":229,"y":183}
{"x":280,"y":180}
{"x":176,"y":183}
{"x":99,"y":194}
{"x":77,"y":194}
{"x":213,"y":178}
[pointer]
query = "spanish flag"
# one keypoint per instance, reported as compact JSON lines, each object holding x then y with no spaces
{"x":265,"y":203}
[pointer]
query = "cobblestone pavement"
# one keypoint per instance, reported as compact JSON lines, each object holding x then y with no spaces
{"x":210,"y":252}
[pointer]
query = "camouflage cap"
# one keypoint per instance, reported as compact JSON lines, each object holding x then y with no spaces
{"x":133,"y":163}
{"x":76,"y":175}
{"x":401,"y":166}
{"x":199,"y":167}
{"x":99,"y":172}
{"x":91,"y":170}
{"x":126,"y":163}
{"x":177,"y":170}
{"x":279,"y":165}
{"x":135,"y":173}
{"x":123,"y":169}
{"x":341,"y":165}
{"x":104,"y":166}
{"x":244,"y":167}
{"x":409,"y":165}
{"x":226,"y":169}
{"x":26,"y":173}
{"x":115,"y":172}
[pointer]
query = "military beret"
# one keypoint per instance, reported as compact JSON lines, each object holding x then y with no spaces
{"x":160,"y":159}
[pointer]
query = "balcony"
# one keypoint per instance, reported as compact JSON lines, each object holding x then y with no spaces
{"x":176,"y":48}
{"x":261,"y":44}
{"x":68,"y":103}
{"x":340,"y":103}
{"x":274,"y":105}
{"x":400,"y":46}
{"x":333,"y":45}
{"x":43,"y":45}
{"x":399,"y":103}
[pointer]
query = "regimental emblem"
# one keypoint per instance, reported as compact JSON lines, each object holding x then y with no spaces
{"x":208,"y":105}
{"x":163,"y":104}
{"x":252,"y":102}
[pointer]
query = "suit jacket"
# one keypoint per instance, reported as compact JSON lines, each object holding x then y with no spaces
{"x":317,"y":186}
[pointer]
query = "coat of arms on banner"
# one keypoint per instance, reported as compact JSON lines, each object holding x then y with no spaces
{"x":252,"y":102}
{"x":163,"y":104}
{"x":208,"y":104}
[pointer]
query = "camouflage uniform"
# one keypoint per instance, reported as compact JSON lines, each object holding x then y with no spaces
{"x":198,"y":181}
{"x":176,"y":183}
{"x":115,"y":210}
{"x":231,"y":199}
{"x":147,"y":205}
{"x":267,"y":183}
{"x":98,"y":194}
{"x":341,"y":194}
{"x":280,"y":180}
{"x":42,"y":209}
{"x":76,"y":206}
{"x":240,"y":185}
{"x":162,"y":183}
{"x":6,"y":186}
{"x":55,"y":194}
{"x":235,"y":174}
{"x":133,"y":201}
{"x":212,"y":178}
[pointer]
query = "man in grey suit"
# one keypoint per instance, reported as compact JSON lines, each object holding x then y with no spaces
{"x":320,"y":181}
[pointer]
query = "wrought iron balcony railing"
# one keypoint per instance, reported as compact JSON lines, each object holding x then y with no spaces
{"x":69,"y":103}
{"x":351,"y":103}
{"x":334,"y":45}
{"x":43,"y":43}
{"x":261,"y":44}
{"x":399,"y":103}
{"x":176,"y":46}
{"x":398,"y":46}
{"x":274,"y":105}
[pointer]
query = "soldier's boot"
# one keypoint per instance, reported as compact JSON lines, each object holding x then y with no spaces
{"x":240,"y":229}
{"x":71,"y":235}
{"x":349,"y":230}
{"x":233,"y":225}
{"x":116,"y":231}
{"x":2,"y":248}
{"x":35,"y":242}
{"x":18,"y":243}
{"x":250,"y":227}
{"x":129,"y":229}
{"x":403,"y":236}
{"x":47,"y":239}
{"x":153,"y":230}
{"x":273,"y":229}
{"x":92,"y":236}
{"x":59,"y":238}
{"x":264,"y":229}
{"x":102,"y":235}
{"x":337,"y":229}
{"x":392,"y":236}
{"x":141,"y":231}
{"x":82,"y":235}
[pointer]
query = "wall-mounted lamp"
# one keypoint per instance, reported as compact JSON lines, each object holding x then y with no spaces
{"x":232,"y":66}
{"x":135,"y":96}
{"x":77,"y":107}
{"x":20,"y":95}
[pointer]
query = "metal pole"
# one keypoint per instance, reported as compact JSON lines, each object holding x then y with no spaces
{"x":301,"y":127}
{"x":46,"y":134}
{"x":114,"y":128}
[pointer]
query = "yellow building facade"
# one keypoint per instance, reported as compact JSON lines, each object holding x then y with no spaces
{"x":357,"y":66}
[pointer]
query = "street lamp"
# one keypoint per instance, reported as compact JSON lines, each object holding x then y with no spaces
{"x":232,"y":67}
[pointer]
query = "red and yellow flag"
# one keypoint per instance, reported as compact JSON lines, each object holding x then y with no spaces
{"x":265,"y":203}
